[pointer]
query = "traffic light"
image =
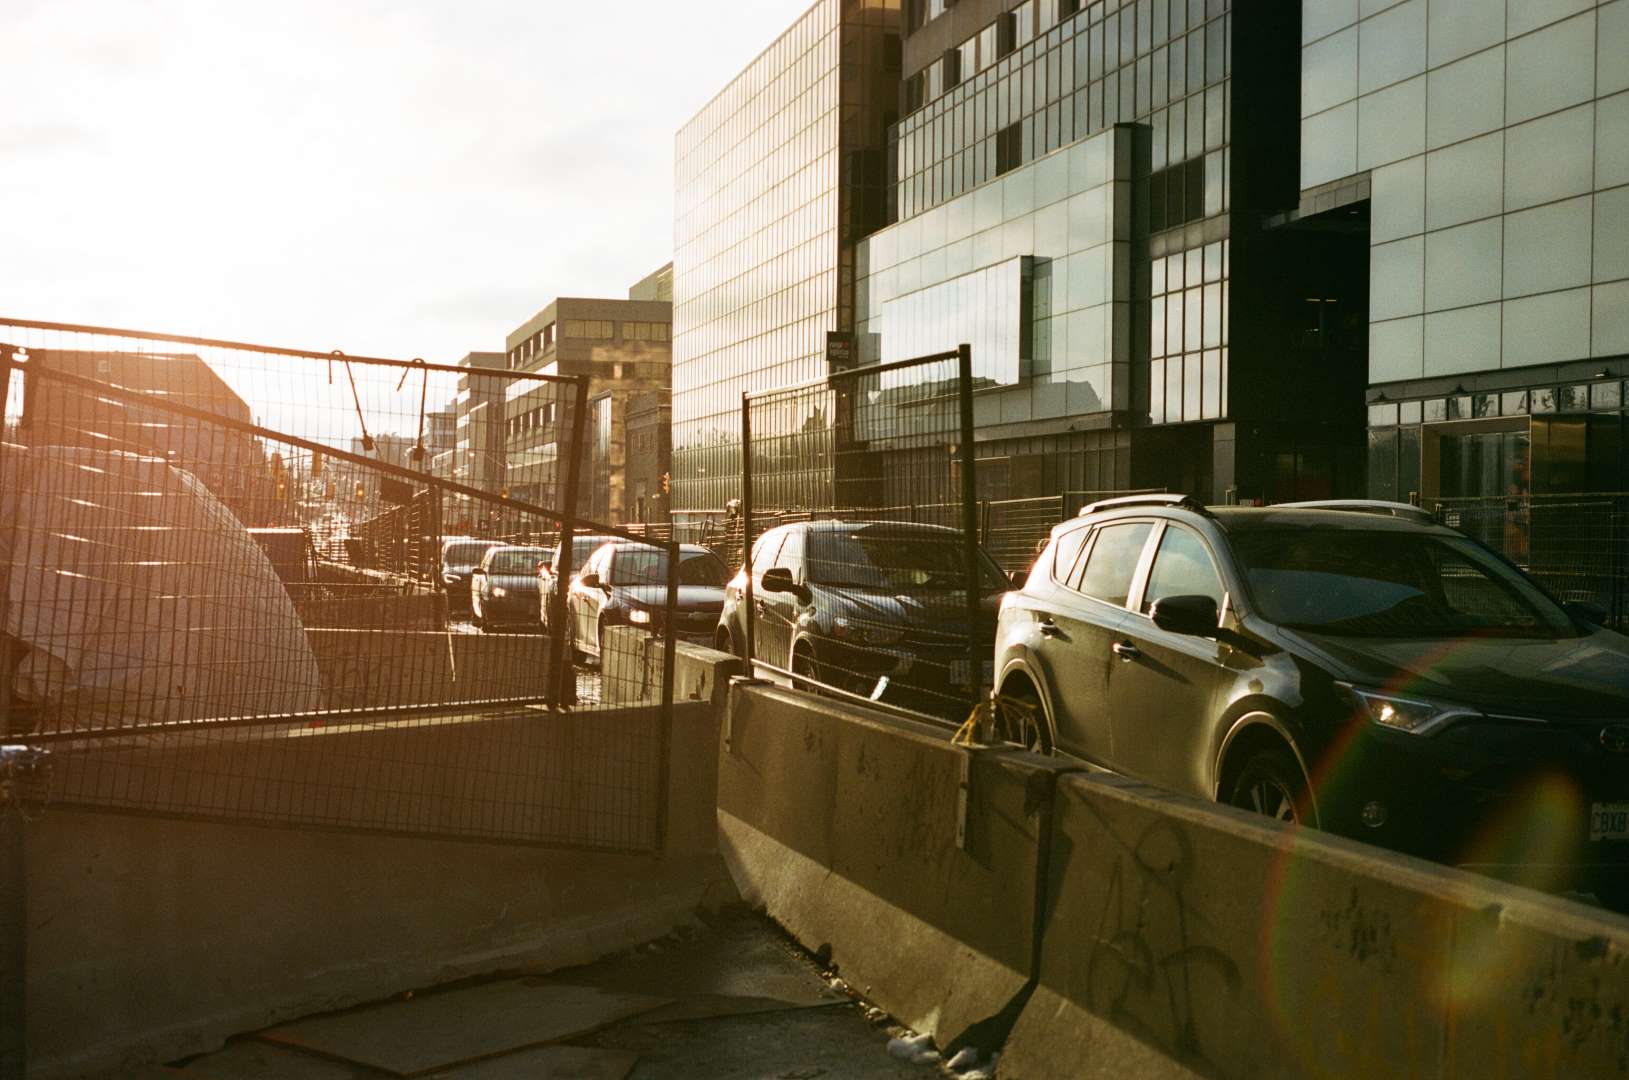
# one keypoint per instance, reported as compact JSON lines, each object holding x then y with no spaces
{"x":667,"y":483}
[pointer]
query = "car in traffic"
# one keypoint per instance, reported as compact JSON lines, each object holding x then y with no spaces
{"x":460,"y":555}
{"x":874,"y":609}
{"x":624,"y":583}
{"x":1371,"y":674}
{"x":582,"y":546}
{"x":504,"y":589}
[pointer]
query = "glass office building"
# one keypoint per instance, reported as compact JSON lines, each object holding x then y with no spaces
{"x":1488,"y":144}
{"x":1066,"y":190}
{"x":1096,"y":142}
{"x":776,"y":180}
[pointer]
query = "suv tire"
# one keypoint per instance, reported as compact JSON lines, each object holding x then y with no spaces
{"x":1270,"y":783}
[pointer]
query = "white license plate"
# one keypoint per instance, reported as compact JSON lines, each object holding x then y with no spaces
{"x":1609,"y":821}
{"x":960,"y":668}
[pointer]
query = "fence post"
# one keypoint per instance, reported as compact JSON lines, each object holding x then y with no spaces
{"x":24,"y":775}
{"x":970,"y":523}
{"x":561,"y":668}
{"x":746,"y":531}
{"x":1618,"y":536}
{"x":670,"y":617}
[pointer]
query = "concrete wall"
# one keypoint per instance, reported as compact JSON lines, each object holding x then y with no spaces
{"x":1175,"y":938}
{"x":152,"y":938}
{"x":421,"y":611}
{"x":396,"y":668}
{"x":633,"y":671}
{"x":1183,"y":934}
{"x":846,"y":829}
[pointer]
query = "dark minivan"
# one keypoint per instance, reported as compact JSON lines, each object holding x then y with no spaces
{"x":1380,"y":677}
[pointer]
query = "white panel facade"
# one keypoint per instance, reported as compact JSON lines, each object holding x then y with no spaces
{"x":1496,"y":135}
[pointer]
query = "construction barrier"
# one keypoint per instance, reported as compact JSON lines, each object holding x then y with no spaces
{"x":912,"y":863}
{"x":1175,"y":938}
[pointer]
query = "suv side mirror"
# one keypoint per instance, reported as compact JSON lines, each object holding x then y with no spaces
{"x":590,"y":581}
{"x":477,"y":570}
{"x":779,"y":579}
{"x":1193,"y":615}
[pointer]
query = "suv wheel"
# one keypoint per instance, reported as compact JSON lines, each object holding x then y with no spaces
{"x":1270,"y":783}
{"x":1019,"y":720}
{"x":805,"y":672}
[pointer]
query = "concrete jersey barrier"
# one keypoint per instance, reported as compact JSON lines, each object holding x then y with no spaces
{"x":1184,"y":938}
{"x":1171,"y":937}
{"x":845,"y":827}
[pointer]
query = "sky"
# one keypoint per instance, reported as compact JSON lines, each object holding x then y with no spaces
{"x":406,"y":179}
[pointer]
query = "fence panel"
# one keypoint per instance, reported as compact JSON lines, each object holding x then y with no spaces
{"x":866,"y":577}
{"x":1576,"y":545}
{"x":208,"y":616}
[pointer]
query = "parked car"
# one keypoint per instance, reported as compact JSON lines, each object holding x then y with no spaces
{"x":624,"y":583}
{"x":505,"y":587}
{"x":460,"y":555}
{"x":582,"y":546}
{"x":1370,"y":674}
{"x":877,"y":609}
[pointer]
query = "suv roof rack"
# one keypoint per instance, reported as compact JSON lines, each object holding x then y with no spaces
{"x":1407,"y":511}
{"x":1167,"y":499}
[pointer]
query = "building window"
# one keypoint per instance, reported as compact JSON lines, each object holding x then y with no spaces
{"x":548,"y":336}
{"x":1023,"y":22}
{"x":644,"y":331}
{"x":601,"y":329}
{"x":1009,"y":148}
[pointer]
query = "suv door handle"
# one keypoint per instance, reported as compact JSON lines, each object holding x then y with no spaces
{"x":1125,"y":650}
{"x":1052,"y":629}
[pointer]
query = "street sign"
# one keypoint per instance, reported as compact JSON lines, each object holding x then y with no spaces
{"x":840,"y":355}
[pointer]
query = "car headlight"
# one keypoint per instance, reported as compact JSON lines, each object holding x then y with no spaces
{"x":1416,"y":716}
{"x":861,"y":632}
{"x":499,"y":591}
{"x":639,"y":616}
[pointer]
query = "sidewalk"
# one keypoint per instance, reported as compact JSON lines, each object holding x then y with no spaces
{"x":732,"y":1000}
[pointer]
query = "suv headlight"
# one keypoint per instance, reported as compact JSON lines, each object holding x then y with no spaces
{"x":638,"y":616}
{"x":860,"y":632}
{"x":499,"y":591}
{"x":1416,"y":716}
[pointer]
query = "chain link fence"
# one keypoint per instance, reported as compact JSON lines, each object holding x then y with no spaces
{"x":260,"y":584}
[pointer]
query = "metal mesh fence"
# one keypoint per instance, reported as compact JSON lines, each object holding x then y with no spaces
{"x":262,"y":584}
{"x":865,"y":577}
{"x":1576,"y":545}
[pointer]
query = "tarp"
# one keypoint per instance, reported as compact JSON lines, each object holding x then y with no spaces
{"x":139,"y":597}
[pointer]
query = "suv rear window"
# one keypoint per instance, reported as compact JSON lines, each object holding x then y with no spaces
{"x":1113,"y":561}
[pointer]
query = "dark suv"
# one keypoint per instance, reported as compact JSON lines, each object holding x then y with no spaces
{"x":876,"y":609}
{"x":1380,"y":677}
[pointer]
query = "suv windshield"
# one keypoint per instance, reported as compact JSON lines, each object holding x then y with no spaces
{"x":515,"y":561}
{"x":465,"y":555}
{"x":1358,"y":583}
{"x":872,"y":558}
{"x":637,"y":567}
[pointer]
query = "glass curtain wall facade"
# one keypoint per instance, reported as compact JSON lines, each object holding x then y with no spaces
{"x":776,"y":179}
{"x":1040,"y":76}
{"x":1095,"y":139}
{"x":1496,"y":139}
{"x":1032,"y":269}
